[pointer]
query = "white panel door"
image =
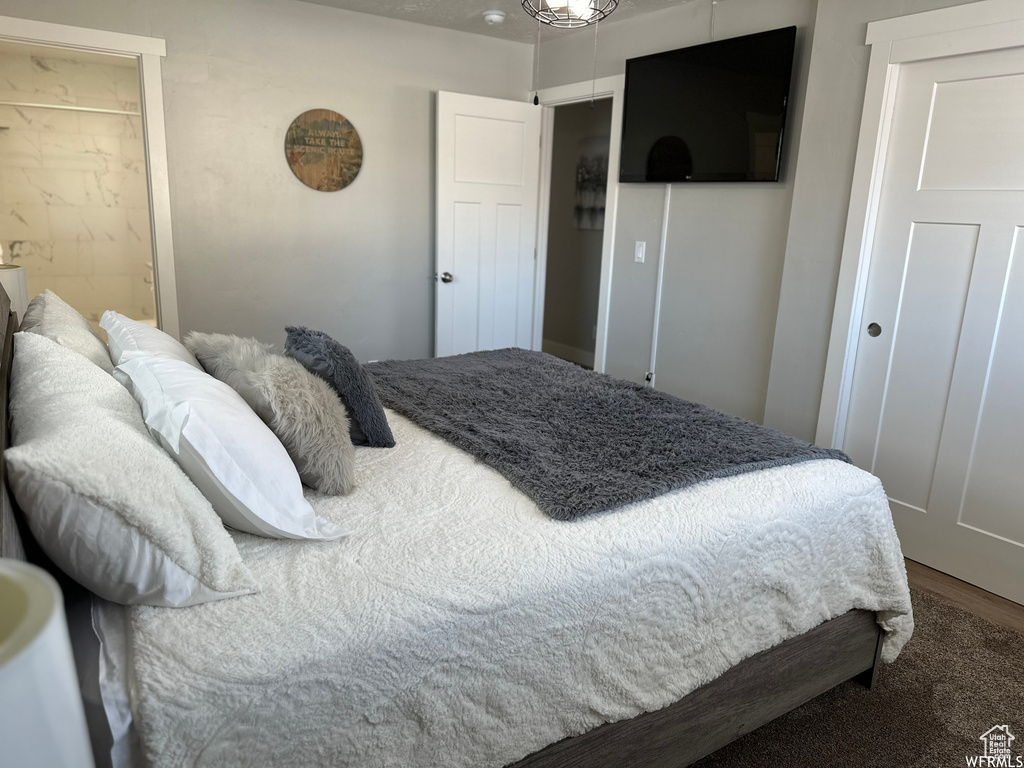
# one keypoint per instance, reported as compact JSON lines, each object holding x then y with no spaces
{"x":937,"y":403}
{"x":488,"y":165}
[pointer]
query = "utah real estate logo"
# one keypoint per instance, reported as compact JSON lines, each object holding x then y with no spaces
{"x":998,"y":752}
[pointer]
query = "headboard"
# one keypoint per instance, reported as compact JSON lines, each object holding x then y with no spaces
{"x":11,"y":544}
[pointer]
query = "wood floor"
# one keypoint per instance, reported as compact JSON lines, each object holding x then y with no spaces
{"x":968,"y":597}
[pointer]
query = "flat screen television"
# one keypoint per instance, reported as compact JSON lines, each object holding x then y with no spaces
{"x":713,"y":112}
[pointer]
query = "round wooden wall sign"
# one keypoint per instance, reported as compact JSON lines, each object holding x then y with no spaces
{"x":324,"y":150}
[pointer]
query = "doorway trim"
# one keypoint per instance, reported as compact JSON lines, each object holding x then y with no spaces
{"x":979,"y":26}
{"x":574,"y":93}
{"x":148,"y":51}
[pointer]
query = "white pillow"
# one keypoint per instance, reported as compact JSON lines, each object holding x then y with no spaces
{"x":225,"y":448}
{"x":103,"y":500}
{"x":129,"y":338}
{"x":48,"y":315}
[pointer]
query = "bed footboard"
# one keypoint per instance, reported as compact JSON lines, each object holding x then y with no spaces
{"x":752,"y":693}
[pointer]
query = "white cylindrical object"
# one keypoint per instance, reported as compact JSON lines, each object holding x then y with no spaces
{"x":14,"y":280}
{"x":42,"y":722}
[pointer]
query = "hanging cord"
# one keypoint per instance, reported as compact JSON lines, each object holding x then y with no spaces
{"x":593,"y":80}
{"x":714,"y":5}
{"x":536,"y":67}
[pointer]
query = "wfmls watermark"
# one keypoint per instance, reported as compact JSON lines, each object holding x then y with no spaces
{"x":998,"y":751}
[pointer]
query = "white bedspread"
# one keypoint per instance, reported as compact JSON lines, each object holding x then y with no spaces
{"x":459,"y":626}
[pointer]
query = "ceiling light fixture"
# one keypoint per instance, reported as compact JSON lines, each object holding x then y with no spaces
{"x":569,"y":14}
{"x":494,"y":17}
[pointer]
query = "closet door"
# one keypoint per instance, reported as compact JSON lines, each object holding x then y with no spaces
{"x":937,"y":404}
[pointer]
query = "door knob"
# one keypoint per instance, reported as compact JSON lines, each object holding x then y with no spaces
{"x":874,"y":329}
{"x":447,"y":277}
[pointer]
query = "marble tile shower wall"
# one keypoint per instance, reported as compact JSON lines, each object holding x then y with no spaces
{"x":73,"y":199}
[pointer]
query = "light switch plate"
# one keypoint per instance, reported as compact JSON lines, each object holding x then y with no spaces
{"x":641,"y":250}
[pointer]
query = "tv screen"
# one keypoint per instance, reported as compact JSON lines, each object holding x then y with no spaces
{"x":713,"y":112}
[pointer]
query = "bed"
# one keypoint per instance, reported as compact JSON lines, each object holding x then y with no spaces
{"x":458,"y":626}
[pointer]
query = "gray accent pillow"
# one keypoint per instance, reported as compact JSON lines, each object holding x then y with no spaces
{"x":306,"y":415}
{"x":336,"y":365}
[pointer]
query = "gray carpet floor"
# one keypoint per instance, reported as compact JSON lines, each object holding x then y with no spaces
{"x":957,"y":677}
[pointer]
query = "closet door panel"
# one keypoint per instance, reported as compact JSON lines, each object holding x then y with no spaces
{"x":993,"y":498}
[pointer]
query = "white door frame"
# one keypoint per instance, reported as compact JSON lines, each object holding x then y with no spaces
{"x":147,"y":51}
{"x":550,"y":98}
{"x":974,"y":27}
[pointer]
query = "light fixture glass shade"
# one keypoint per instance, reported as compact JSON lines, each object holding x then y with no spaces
{"x":569,"y":14}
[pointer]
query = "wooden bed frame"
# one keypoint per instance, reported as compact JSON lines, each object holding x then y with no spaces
{"x":749,"y":695}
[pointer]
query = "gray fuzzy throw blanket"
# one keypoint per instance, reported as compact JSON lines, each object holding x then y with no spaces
{"x":575,"y":441}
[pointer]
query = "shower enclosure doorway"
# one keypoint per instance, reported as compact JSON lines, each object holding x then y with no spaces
{"x":83,"y":184}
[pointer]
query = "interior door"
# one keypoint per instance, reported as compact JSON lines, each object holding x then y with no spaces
{"x":937,"y":405}
{"x":488,"y":165}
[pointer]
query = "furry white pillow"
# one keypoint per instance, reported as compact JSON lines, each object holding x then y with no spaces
{"x":50,"y":316}
{"x":101,"y":497}
{"x":302,"y":410}
{"x":129,"y":338}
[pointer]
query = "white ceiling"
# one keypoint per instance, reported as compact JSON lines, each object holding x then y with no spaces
{"x":467,"y":15}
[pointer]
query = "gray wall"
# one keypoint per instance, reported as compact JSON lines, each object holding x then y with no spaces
{"x":573,"y":278}
{"x":726,"y":242}
{"x":254,"y":248}
{"x":828,"y":148}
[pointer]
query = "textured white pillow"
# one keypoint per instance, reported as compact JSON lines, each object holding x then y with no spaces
{"x":129,"y":338}
{"x":302,"y":410}
{"x":223,"y":446}
{"x":48,"y":315}
{"x":101,"y":497}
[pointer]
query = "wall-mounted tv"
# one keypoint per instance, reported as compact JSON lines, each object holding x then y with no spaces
{"x":713,"y":112}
